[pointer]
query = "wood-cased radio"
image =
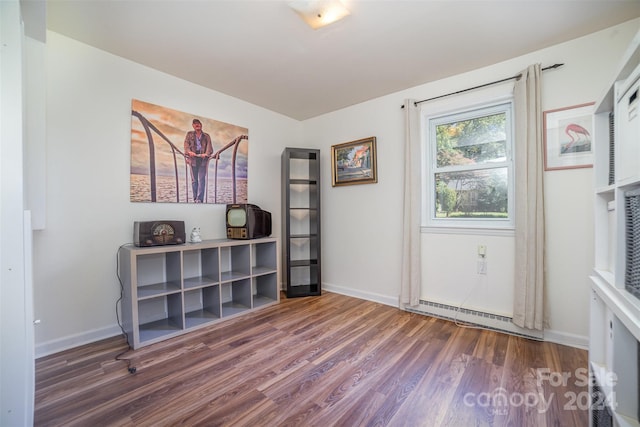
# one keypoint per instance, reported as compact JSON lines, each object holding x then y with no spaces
{"x":158,"y":233}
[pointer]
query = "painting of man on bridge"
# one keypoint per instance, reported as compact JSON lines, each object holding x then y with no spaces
{"x":162,"y":162}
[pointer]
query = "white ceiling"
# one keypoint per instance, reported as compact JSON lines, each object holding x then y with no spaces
{"x":262,"y":52}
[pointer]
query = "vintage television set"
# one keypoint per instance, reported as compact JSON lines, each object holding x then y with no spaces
{"x":247,"y":221}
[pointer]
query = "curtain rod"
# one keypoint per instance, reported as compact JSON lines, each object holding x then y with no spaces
{"x":516,"y":77}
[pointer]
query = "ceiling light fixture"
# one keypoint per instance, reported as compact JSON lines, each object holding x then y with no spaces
{"x":319,"y":13}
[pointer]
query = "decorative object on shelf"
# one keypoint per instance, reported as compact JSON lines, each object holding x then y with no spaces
{"x":568,"y":134}
{"x":177,"y":157}
{"x":247,"y":221}
{"x":195,"y":235}
{"x":158,"y":233}
{"x":354,"y":162}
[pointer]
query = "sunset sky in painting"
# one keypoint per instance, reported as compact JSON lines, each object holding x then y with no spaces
{"x":174,"y":125}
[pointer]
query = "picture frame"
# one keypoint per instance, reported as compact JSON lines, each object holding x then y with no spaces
{"x":161,"y":169}
{"x":568,"y":137}
{"x":354,"y":162}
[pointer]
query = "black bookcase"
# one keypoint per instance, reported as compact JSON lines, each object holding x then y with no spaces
{"x":301,"y":215}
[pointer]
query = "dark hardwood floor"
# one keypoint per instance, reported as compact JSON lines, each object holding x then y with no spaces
{"x":319,"y":361}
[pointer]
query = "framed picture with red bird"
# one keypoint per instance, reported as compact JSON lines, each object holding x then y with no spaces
{"x":568,"y":135}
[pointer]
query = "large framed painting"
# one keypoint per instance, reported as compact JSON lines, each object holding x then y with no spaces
{"x":568,"y":137}
{"x":179,"y":157}
{"x":354,"y":162}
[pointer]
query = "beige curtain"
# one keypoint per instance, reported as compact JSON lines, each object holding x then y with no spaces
{"x":529,"y":211}
{"x":411,"y":271}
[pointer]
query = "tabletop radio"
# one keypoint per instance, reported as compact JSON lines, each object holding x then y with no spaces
{"x":158,"y":233}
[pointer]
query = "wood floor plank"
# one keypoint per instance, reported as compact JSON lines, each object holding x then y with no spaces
{"x":465,"y":406}
{"x":405,"y":382}
{"x":330,"y":360}
{"x":362,"y":375}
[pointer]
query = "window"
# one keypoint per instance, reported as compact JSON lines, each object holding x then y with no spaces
{"x":469,"y":167}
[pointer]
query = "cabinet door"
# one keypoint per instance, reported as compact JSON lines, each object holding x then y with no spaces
{"x":301,"y":211}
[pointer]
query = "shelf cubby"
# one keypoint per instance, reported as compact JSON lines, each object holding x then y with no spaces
{"x":202,"y":306}
{"x":303,"y":164}
{"x":605,"y":211}
{"x":201,"y":267}
{"x":236,"y":297}
{"x":304,"y":248}
{"x":158,"y":274}
{"x":235,"y":262}
{"x":303,"y":221}
{"x":264,"y":258}
{"x":303,"y":275}
{"x":264,"y":289}
{"x":303,"y":194}
{"x":625,"y":354}
{"x":160,"y":317}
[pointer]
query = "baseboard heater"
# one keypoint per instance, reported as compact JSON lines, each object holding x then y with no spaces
{"x":482,"y":319}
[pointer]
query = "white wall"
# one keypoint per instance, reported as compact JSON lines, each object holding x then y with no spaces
{"x":362,"y":224}
{"x":88,"y":211}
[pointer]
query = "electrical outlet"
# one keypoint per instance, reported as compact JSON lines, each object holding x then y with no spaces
{"x":482,"y":266}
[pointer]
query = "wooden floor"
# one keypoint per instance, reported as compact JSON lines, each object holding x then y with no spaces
{"x":319,"y":361}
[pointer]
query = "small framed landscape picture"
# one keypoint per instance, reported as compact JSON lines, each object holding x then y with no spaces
{"x":568,"y":134}
{"x":354,"y":162}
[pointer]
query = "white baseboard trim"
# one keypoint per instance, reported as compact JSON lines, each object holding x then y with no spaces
{"x":369,"y":296}
{"x":481,"y":319}
{"x":565,"y":338}
{"x":500,"y":323}
{"x":65,"y":343}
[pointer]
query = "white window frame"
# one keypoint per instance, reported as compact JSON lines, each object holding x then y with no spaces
{"x":496,"y":99}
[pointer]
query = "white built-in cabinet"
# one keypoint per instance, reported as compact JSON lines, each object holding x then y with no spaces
{"x":171,"y":290}
{"x":615,"y":310}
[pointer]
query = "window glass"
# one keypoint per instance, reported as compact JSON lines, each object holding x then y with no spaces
{"x":472,"y":141}
{"x":470,"y":167}
{"x":472,"y":194}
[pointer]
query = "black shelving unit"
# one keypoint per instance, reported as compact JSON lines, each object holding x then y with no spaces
{"x":301,"y":213}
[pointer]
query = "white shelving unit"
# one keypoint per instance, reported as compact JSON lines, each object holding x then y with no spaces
{"x":171,"y":290}
{"x":614,"y":334}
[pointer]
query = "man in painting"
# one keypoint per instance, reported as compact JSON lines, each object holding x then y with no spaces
{"x":197,"y":150}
